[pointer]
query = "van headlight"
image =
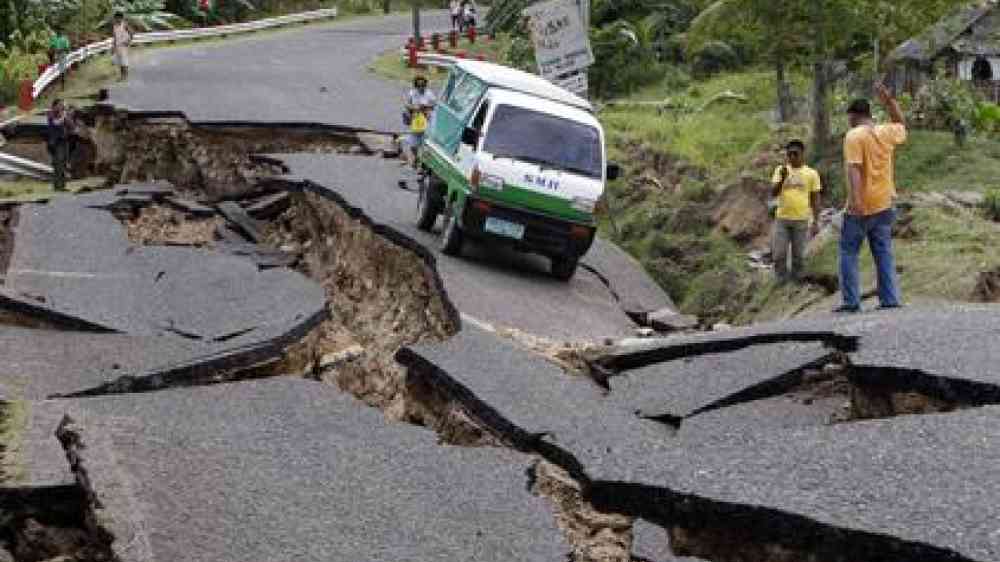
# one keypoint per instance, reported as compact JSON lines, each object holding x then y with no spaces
{"x":491,"y":182}
{"x":584,"y":204}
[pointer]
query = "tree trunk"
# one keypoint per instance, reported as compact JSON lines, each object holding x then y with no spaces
{"x":821,"y":109}
{"x":386,"y":6}
{"x":784,"y":93}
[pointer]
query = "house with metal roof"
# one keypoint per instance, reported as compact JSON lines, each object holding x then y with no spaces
{"x":966,"y":44}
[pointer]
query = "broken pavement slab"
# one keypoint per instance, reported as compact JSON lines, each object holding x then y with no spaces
{"x":675,"y":390}
{"x":494,"y":285}
{"x":347,"y":484}
{"x":528,"y":402}
{"x":82,"y":263}
{"x":669,"y":320}
{"x":269,"y":206}
{"x":904,"y":489}
{"x":192,"y":208}
{"x":157,"y":190}
{"x":239,"y":217}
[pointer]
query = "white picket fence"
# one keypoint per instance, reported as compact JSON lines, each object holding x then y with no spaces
{"x":53,"y":73}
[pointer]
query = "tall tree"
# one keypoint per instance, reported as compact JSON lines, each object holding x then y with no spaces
{"x":814,"y":33}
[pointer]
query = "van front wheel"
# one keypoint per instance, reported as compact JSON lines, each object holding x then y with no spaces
{"x":451,"y":236}
{"x":563,"y":268}
{"x":429,"y":203}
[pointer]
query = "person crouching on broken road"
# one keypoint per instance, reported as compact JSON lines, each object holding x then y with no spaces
{"x":420,"y":102}
{"x":121,"y":37}
{"x":797,"y":187}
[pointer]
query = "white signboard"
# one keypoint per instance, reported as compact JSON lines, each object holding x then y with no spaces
{"x":561,"y":42}
{"x":576,"y":83}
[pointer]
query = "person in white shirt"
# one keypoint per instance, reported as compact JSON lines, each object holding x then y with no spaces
{"x":455,"y":7}
{"x":470,"y":14}
{"x":121,"y":37}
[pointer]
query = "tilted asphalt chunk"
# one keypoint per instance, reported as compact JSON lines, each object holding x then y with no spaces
{"x":912,"y":488}
{"x":287,"y":469}
{"x":686,"y":387}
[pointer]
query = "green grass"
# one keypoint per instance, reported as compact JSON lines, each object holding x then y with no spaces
{"x":26,"y":190}
{"x":13,"y":418}
{"x":671,"y":232}
{"x":718,"y":138}
{"x":931,"y":161}
{"x":392,"y":64}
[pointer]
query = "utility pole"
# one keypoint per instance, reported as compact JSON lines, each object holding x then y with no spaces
{"x":416,"y":21}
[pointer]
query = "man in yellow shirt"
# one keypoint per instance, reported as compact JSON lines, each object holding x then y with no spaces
{"x":797,"y":188}
{"x":869,"y":151}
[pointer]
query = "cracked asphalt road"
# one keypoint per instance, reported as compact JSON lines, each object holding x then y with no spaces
{"x":279,"y":77}
{"x":493,"y":285}
{"x":316,"y":74}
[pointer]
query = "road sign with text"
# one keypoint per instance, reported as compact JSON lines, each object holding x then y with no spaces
{"x":560,"y":38}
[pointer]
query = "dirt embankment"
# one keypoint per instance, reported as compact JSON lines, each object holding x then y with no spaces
{"x":383,"y":295}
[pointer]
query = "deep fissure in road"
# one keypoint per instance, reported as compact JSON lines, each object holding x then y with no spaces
{"x":47,"y":524}
{"x":384,"y":294}
{"x":42,"y":523}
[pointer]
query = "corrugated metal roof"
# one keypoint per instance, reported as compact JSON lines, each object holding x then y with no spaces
{"x":943,"y":34}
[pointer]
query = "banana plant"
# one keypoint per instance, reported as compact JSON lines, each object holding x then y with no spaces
{"x":147,"y":15}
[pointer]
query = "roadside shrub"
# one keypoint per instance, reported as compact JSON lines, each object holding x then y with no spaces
{"x":991,"y":204}
{"x":987,"y":118}
{"x":17,"y":65}
{"x":714,"y":57}
{"x":945,"y":104}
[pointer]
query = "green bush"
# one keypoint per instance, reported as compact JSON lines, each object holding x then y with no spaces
{"x":626,"y":59}
{"x":991,"y":204}
{"x":987,"y":118}
{"x":945,"y":103}
{"x":17,"y":65}
{"x":714,"y":57}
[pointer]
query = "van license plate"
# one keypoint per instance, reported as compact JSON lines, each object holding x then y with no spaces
{"x":504,"y":228}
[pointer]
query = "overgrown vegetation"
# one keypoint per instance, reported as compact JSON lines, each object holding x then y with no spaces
{"x":26,"y":26}
{"x":693,"y":204}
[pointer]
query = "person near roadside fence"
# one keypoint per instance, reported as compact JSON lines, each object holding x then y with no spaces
{"x":61,"y":127}
{"x":59,"y":54}
{"x":869,"y":150}
{"x":469,"y":11}
{"x":455,"y":8}
{"x":420,"y":102}
{"x":121,"y":37}
{"x":796,"y":188}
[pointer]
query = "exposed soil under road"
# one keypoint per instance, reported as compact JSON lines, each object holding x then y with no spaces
{"x":162,"y":225}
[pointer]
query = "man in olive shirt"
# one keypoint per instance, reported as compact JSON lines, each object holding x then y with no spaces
{"x":797,"y":188}
{"x":869,"y":151}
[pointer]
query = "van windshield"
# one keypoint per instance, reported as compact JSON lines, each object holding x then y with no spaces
{"x":544,"y":139}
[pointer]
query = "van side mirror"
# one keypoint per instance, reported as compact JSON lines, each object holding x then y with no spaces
{"x":614,"y":171}
{"x":470,"y":137}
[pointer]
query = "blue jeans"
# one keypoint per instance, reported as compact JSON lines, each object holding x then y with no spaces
{"x":877,"y":229}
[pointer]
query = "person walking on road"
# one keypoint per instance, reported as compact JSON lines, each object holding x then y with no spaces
{"x":469,"y":14}
{"x":60,"y":127}
{"x":121,"y":37}
{"x":797,"y":187}
{"x":58,"y":55}
{"x":420,"y":102}
{"x":869,"y":150}
{"x":455,"y":8}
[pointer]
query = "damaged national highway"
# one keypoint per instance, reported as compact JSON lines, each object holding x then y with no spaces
{"x":240,"y":347}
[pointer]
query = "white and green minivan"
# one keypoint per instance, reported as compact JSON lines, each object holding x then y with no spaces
{"x":511,"y":158}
